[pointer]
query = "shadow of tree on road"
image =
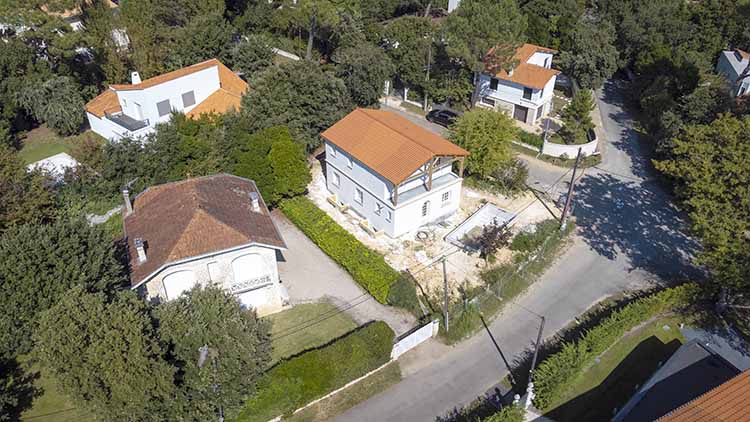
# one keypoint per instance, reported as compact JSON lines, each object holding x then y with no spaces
{"x":638,"y":220}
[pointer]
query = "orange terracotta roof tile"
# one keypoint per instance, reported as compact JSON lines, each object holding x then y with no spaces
{"x":729,"y":402}
{"x":220,"y":101}
{"x":524,"y":73}
{"x":104,"y":103}
{"x":389,"y":144}
{"x":744,"y":54}
{"x":195,"y":217}
{"x":169,"y":76}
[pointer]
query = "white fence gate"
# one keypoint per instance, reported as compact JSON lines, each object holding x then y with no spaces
{"x":415,"y":338}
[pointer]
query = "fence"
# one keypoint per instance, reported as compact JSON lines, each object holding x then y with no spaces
{"x":569,"y":151}
{"x":414,"y":338}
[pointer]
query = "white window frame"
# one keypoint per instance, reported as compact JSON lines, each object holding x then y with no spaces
{"x":425,"y":209}
{"x":445,"y":198}
{"x":378,"y":208}
{"x":359,"y":196}
{"x":336,"y":179}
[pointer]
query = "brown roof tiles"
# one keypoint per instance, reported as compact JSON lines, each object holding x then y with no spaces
{"x":389,"y":144}
{"x":104,"y":103}
{"x":729,"y":402}
{"x":527,"y":74}
{"x":195,"y":217}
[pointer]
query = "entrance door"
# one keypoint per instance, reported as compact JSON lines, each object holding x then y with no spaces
{"x":520,"y":113}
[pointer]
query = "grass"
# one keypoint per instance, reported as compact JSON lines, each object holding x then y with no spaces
{"x":329,"y":408}
{"x":292,"y":343}
{"x":51,"y":405}
{"x":412,"y":108}
{"x":42,"y":142}
{"x":590,"y":161}
{"x":609,"y":383}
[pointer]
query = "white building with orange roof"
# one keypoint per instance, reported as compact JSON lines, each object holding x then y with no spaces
{"x":524,"y":92}
{"x":134,"y":110}
{"x":396,"y":175}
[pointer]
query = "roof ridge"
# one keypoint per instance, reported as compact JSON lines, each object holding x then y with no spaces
{"x":139,"y":86}
{"x":414,"y":141}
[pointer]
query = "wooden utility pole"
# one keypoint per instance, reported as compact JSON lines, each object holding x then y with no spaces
{"x":530,"y":385}
{"x":566,"y":209}
{"x":445,"y":288}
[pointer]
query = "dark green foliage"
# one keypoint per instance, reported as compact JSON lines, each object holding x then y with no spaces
{"x":251,"y":158}
{"x":295,"y":382}
{"x":512,"y":413}
{"x":26,"y":196}
{"x":105,"y":356}
{"x":528,"y":242}
{"x":403,"y":294}
{"x":56,"y":101}
{"x":576,"y":118}
{"x":487,"y":136}
{"x":16,"y":389}
{"x":406,"y":40}
{"x":299,"y":95}
{"x":252,"y":55}
{"x":39,"y":263}
{"x":592,"y":57}
{"x":532,"y":139}
{"x":511,"y":177}
{"x":238,"y":351}
{"x":367,"y":267}
{"x":553,"y":375}
{"x":205,"y":37}
{"x":551,"y":22}
{"x":364,"y":68}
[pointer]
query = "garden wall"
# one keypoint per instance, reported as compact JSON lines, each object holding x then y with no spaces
{"x":569,"y":151}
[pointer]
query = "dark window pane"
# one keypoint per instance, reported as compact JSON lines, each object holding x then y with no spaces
{"x":163,"y":108}
{"x":527,"y":93}
{"x":188,"y":99}
{"x":493,"y":83}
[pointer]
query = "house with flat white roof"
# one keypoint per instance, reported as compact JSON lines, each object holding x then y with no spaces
{"x":732,"y":64}
{"x":134,"y":110}
{"x":525,"y":91}
{"x":396,"y":175}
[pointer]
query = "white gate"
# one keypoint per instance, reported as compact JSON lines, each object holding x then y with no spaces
{"x":415,"y":338}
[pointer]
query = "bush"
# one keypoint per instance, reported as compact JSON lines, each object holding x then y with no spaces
{"x":366,"y":266}
{"x":511,"y":177}
{"x":507,"y":414}
{"x":553,"y":376}
{"x":525,"y":242}
{"x":295,"y":382}
{"x":403,"y":294}
{"x":529,"y":138}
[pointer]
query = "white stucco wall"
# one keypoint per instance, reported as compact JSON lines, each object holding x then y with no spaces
{"x":224,"y":276}
{"x":541,"y":59}
{"x":408,"y":215}
{"x":508,"y":94}
{"x":371,"y":181}
{"x":113,"y":131}
{"x":569,"y":151}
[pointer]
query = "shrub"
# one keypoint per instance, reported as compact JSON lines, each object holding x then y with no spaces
{"x":529,"y":138}
{"x":507,"y":414}
{"x":511,"y":177}
{"x":366,"y":266}
{"x":553,"y":376}
{"x":295,"y":382}
{"x":531,"y":241}
{"x":403,"y":293}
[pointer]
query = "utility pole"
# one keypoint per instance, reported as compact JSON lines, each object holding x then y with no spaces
{"x":530,"y":385}
{"x":566,"y":209}
{"x":427,"y":74}
{"x":445,"y":288}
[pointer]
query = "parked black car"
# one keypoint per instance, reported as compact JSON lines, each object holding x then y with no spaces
{"x":442,"y":117}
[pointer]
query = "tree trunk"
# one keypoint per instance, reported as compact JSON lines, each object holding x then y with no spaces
{"x":310,"y":37}
{"x":475,"y":92}
{"x":427,"y":9}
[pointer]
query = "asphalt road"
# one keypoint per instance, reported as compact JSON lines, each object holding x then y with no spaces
{"x":629,"y":236}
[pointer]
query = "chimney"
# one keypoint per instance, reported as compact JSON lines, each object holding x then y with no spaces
{"x":254,"y":200}
{"x":128,"y":205}
{"x":139,"y":247}
{"x":135,"y":78}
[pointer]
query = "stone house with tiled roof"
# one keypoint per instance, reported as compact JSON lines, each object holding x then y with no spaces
{"x":208,"y":230}
{"x":525,"y":91}
{"x":396,"y":175}
{"x":133,"y":110}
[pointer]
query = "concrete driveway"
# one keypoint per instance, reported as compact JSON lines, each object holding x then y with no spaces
{"x":311,"y":276}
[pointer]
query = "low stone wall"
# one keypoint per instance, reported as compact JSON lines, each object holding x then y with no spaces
{"x":569,"y":151}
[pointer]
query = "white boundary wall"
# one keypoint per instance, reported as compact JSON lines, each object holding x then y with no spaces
{"x":416,"y":338}
{"x":571,"y":151}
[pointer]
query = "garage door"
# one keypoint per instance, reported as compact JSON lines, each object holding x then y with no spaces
{"x":254,"y":298}
{"x":178,"y":282}
{"x":520,"y":113}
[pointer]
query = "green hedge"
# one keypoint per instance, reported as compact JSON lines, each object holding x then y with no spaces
{"x":556,"y":373}
{"x":529,"y":138}
{"x":513,"y":413}
{"x":403,"y":294}
{"x":296,"y":382}
{"x":366,"y":266}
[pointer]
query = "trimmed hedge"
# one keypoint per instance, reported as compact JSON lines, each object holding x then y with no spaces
{"x":555,"y":374}
{"x":366,"y":266}
{"x":533,"y":139}
{"x":297,"y":381}
{"x":513,"y":413}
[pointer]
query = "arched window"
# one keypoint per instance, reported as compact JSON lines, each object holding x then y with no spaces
{"x":249,"y":267}
{"x":425,"y":208}
{"x":178,"y":282}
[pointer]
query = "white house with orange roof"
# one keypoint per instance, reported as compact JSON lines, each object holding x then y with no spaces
{"x":524,"y":92}
{"x":134,"y":110}
{"x":396,"y":175}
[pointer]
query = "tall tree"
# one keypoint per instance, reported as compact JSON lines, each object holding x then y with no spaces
{"x":219,"y":348}
{"x":106,"y":357}
{"x":576,"y":118}
{"x":26,"y":196}
{"x":289,"y":164}
{"x":252,"y":55}
{"x":408,"y":40}
{"x":57,"y":102}
{"x":487,"y":135}
{"x":551,"y":22}
{"x":364,"y":68}
{"x":592,"y":57}
{"x":39,"y":263}
{"x":711,"y":164}
{"x":299,"y":95}
{"x":204,"y":37}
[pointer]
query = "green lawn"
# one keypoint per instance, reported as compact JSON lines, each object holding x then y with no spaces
{"x":327,"y":409}
{"x":51,"y":405}
{"x":287,"y":337}
{"x":611,"y":382}
{"x":42,"y":143}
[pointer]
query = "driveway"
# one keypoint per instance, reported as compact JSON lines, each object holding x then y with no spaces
{"x":311,"y":276}
{"x":629,"y":236}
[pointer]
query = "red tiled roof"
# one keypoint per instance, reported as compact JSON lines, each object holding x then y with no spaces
{"x":195,"y":217}
{"x":524,"y":73}
{"x":729,"y":402}
{"x":389,"y":144}
{"x":104,"y":103}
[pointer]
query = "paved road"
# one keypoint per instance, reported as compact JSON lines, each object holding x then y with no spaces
{"x":629,"y":236}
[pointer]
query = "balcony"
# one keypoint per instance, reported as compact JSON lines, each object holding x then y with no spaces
{"x":126,"y":122}
{"x":420,"y":190}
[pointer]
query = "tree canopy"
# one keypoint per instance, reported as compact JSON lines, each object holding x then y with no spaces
{"x":487,"y":135}
{"x":592,"y":57}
